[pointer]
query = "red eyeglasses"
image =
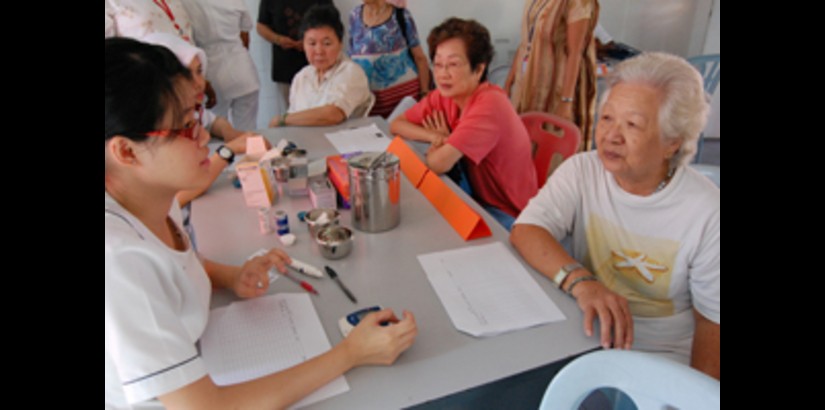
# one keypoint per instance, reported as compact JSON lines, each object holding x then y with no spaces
{"x":188,"y":132}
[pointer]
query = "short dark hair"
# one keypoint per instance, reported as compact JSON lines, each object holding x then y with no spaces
{"x":140,"y":84}
{"x":319,"y":16}
{"x":475,"y":36}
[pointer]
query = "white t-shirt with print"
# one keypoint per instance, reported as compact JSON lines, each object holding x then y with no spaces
{"x":661,"y":252}
{"x":157,"y":305}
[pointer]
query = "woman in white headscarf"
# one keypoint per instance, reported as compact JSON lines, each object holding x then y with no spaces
{"x":195,"y":59}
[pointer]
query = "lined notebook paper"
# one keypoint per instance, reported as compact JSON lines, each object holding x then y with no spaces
{"x":486,"y":291}
{"x":257,"y":337}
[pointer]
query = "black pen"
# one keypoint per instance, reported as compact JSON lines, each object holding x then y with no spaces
{"x":334,"y":276}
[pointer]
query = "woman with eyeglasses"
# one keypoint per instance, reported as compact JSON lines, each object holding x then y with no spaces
{"x":471,"y":123}
{"x":157,"y":289}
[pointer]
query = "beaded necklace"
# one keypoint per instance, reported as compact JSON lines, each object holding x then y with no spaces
{"x":665,"y":181}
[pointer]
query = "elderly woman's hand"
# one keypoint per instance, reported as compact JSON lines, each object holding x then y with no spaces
{"x":613,"y":312}
{"x":437,"y":124}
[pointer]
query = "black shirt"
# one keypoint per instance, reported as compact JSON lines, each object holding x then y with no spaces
{"x":284,"y":18}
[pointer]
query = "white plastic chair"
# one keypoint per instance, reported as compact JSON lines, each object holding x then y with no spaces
{"x":713,"y":172}
{"x":402,"y":106}
{"x":652,"y":382}
{"x":364,"y":109}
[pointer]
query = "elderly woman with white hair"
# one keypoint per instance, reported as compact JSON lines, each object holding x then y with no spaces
{"x":644,"y":227}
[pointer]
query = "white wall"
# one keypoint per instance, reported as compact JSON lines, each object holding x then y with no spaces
{"x":682,"y":27}
{"x":713,"y":45}
{"x":675,"y":26}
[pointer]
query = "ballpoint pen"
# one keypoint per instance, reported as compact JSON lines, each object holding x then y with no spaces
{"x":303,"y":284}
{"x":332,"y":274}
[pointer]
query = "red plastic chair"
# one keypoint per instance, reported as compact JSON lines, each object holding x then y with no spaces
{"x":547,"y":145}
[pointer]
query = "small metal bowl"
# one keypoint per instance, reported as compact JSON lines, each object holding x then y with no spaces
{"x":335,"y":242}
{"x":312,"y":219}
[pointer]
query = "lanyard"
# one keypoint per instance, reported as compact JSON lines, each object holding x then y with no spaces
{"x":531,"y":26}
{"x":168,"y":10}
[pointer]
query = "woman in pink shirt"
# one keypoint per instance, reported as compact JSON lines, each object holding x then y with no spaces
{"x":470,"y":121}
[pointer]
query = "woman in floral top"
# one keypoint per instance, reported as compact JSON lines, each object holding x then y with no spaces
{"x":390,"y":54}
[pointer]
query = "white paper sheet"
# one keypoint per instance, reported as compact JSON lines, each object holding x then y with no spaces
{"x":257,"y":337}
{"x":486,"y":291}
{"x":364,"y":139}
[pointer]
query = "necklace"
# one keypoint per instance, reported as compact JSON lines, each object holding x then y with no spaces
{"x":665,"y":181}
{"x":533,"y":13}
{"x":378,"y":17}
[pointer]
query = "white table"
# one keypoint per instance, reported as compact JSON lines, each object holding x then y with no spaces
{"x":383,"y":270}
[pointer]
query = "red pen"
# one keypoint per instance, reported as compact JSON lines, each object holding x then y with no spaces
{"x":303,"y":284}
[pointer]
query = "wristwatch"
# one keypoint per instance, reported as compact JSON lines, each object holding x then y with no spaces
{"x":224,"y":152}
{"x":565,"y":270}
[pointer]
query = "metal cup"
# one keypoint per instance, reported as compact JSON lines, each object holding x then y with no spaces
{"x":314,"y":215}
{"x":335,"y":242}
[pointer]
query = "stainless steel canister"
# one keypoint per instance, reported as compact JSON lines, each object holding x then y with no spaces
{"x":375,"y":189}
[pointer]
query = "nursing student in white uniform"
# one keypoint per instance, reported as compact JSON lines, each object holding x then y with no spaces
{"x":332,"y":87}
{"x":157,"y":289}
{"x":645,"y":227}
{"x":221,"y":29}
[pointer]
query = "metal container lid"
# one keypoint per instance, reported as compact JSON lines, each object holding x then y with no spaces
{"x":363,"y":161}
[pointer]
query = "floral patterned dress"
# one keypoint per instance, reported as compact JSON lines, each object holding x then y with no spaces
{"x":382,"y":51}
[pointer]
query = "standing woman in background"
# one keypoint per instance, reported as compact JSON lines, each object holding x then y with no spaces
{"x":221,"y":29}
{"x":554,"y":69}
{"x":384,"y":42}
{"x":279,"y":22}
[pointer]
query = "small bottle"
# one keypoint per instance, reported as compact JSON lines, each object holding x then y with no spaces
{"x":264,"y":220}
{"x":281,"y":222}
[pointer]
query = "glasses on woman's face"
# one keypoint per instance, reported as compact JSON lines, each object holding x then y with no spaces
{"x":189,"y":132}
{"x":451,"y":66}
